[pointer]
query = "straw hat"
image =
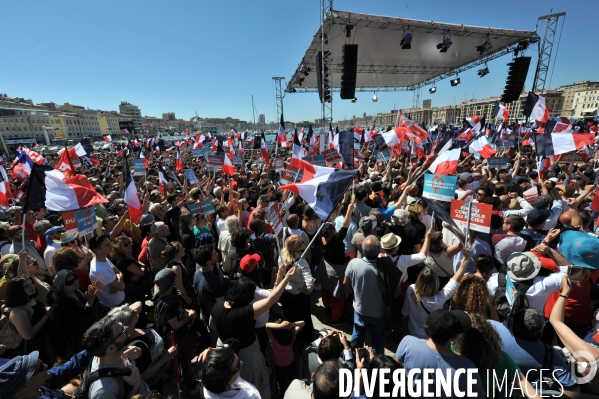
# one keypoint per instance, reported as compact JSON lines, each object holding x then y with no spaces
{"x":390,"y":241}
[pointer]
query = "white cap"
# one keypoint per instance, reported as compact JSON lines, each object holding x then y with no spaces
{"x":465,"y":175}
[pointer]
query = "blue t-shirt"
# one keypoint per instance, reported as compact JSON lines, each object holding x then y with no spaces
{"x":529,"y":355}
{"x":386,"y":213}
{"x":415,"y":353}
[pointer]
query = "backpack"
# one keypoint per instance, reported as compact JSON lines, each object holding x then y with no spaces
{"x":388,"y":276}
{"x":500,"y":298}
{"x":88,"y":378}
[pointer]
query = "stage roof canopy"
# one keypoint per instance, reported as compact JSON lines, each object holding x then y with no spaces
{"x":384,"y":66}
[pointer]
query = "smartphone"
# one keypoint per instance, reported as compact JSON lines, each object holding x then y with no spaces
{"x":575,"y":273}
{"x":363,"y":353}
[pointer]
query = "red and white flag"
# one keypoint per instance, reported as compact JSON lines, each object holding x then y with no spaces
{"x":228,"y":168}
{"x":142,"y":156}
{"x":5,"y":191}
{"x":482,"y":147}
{"x":179,"y":164}
{"x":162,"y":181}
{"x":312,"y":171}
{"x":65,"y":165}
{"x":446,"y":163}
{"x":71,"y":193}
{"x":132,"y":198}
{"x":107,"y":138}
{"x":566,"y":142}
{"x":501,"y":112}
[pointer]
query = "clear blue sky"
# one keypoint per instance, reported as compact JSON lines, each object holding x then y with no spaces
{"x":211,"y":56}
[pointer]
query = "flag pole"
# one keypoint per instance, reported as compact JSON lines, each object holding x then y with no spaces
{"x":468,"y":225}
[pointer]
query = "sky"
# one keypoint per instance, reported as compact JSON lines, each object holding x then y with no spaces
{"x":211,"y":57}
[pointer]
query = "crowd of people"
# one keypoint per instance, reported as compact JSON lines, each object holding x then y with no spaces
{"x":224,"y":303}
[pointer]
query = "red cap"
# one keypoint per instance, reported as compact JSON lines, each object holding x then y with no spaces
{"x":249,"y":262}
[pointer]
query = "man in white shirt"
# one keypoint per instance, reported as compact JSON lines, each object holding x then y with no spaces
{"x":52,"y":237}
{"x":112,"y":291}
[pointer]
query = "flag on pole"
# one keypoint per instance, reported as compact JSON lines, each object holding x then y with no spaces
{"x":142,"y":156}
{"x":443,"y":146}
{"x":21,"y":166}
{"x":298,"y":151}
{"x":162,"y":180}
{"x":446,"y":163}
{"x":35,"y":157}
{"x":84,"y":148}
{"x":179,"y":164}
{"x":48,"y":186}
{"x":125,"y":131}
{"x":536,"y":108}
{"x":566,"y":142}
{"x":324,"y":192}
{"x":5,"y":191}
{"x":281,"y":136}
{"x":482,"y":147}
{"x":499,"y":111}
{"x":264,"y":149}
{"x":312,"y":171}
{"x":131,"y":197}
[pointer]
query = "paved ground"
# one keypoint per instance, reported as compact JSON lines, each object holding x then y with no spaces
{"x":320,"y":320}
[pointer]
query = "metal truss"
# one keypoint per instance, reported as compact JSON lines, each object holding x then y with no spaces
{"x":326,"y":46}
{"x":279,"y":95}
{"x":545,"y":49}
{"x":416,"y":103}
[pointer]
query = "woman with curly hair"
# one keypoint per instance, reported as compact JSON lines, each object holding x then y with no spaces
{"x":66,"y":258}
{"x":472,"y":296}
{"x":137,"y":285}
{"x":482,"y":345}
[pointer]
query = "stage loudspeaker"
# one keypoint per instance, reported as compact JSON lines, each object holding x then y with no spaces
{"x":515,"y":79}
{"x":324,"y":93}
{"x":349,"y":71}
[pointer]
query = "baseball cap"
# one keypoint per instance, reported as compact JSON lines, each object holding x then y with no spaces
{"x":249,"y":262}
{"x":446,"y":324}
{"x":15,"y":374}
{"x":465,"y":175}
{"x":580,"y":249}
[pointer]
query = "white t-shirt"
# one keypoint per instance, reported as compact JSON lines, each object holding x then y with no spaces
{"x":104,"y":273}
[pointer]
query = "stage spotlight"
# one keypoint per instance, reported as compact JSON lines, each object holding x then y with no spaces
{"x":445,"y":44}
{"x":374,"y":98}
{"x":406,"y":41}
{"x":454,"y":82}
{"x":483,"y":72}
{"x":486,"y":46}
{"x":292,"y":90}
{"x":432,"y":89}
{"x":353,"y":100}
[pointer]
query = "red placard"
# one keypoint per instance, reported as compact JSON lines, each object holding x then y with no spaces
{"x":480,"y":215}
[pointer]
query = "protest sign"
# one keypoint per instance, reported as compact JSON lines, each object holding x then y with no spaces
{"x":215,"y":161}
{"x":480,"y":215}
{"x":275,"y":218}
{"x":291,"y":175}
{"x":531,"y":195}
{"x":205,"y":207}
{"x":510,"y":290}
{"x":202,"y":183}
{"x":316,"y":159}
{"x":439,"y":187}
{"x":497,"y":162}
{"x":197,"y":153}
{"x":332,"y":156}
{"x":359,"y":156}
{"x":279,"y":167}
{"x":139,"y":167}
{"x":237,"y":160}
{"x":191,"y":177}
{"x":82,"y":221}
{"x":570,"y":157}
{"x":383,"y":156}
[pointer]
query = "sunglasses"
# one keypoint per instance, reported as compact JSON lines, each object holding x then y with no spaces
{"x":123,"y":331}
{"x":71,"y":281}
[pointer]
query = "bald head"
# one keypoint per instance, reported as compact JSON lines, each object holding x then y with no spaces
{"x":371,"y":247}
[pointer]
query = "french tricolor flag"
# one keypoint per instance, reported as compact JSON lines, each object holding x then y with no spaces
{"x":482,"y":147}
{"x":281,"y":136}
{"x":446,"y":163}
{"x":566,"y":142}
{"x":501,"y":112}
{"x":536,"y":108}
{"x":298,"y":151}
{"x":107,"y":138}
{"x":132,"y":198}
{"x":5,"y":191}
{"x":263,"y":149}
{"x":179,"y":164}
{"x":48,"y":186}
{"x":162,"y":181}
{"x":324,"y":192}
{"x":312,"y":171}
{"x":142,"y":156}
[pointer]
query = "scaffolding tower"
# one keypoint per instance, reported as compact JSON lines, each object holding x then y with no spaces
{"x":545,"y":49}
{"x":326,"y":46}
{"x":279,"y":96}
